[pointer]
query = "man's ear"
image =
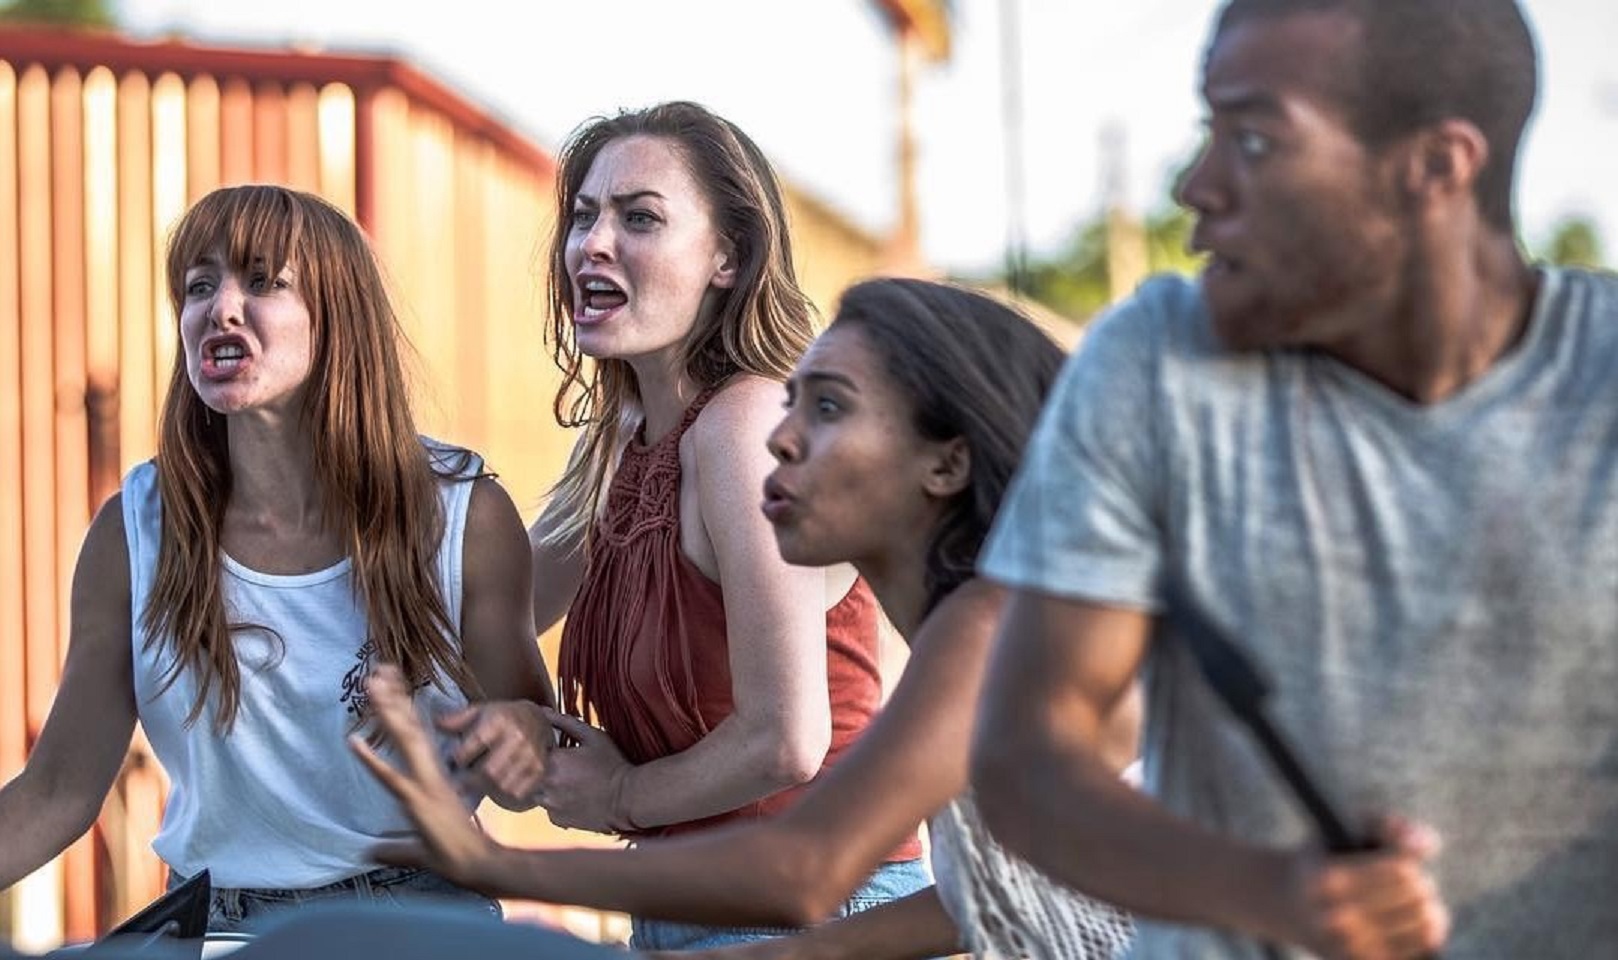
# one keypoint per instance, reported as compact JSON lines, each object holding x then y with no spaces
{"x":724,"y":275}
{"x":1445,"y":160}
{"x":951,"y":469}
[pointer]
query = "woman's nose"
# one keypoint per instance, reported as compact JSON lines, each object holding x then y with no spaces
{"x":226,"y":308}
{"x":782,"y":443}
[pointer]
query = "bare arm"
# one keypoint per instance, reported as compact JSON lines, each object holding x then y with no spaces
{"x":790,"y":870}
{"x":558,"y":568}
{"x":497,"y":621}
{"x":780,"y":727}
{"x":60,"y":790}
{"x":505,"y":738}
{"x":1059,"y":667}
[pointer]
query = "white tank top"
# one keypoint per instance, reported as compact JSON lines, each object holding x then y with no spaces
{"x":279,"y":801}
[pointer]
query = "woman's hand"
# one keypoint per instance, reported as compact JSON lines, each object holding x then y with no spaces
{"x":1378,"y":904}
{"x":502,"y":749}
{"x":449,"y":843}
{"x":583,"y":785}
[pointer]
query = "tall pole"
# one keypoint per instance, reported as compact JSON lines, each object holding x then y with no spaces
{"x":1011,"y":109}
{"x":907,"y":252}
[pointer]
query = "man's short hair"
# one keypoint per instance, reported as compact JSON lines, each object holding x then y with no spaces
{"x":1424,"y":61}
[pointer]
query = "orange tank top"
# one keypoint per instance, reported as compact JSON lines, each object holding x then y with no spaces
{"x":644,"y":648}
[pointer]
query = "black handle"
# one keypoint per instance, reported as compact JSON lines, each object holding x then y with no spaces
{"x":1238,"y":682}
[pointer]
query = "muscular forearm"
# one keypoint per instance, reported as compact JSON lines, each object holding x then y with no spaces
{"x":912,"y":928}
{"x":746,"y":875}
{"x":734,"y":765}
{"x":1065,"y":811}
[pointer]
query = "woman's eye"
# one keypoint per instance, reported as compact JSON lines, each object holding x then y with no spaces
{"x":198,"y":288}
{"x":640,"y":218}
{"x":826,"y":406}
{"x":582,"y":218}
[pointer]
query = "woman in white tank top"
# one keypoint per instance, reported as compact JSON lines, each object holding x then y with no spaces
{"x":292,"y":532}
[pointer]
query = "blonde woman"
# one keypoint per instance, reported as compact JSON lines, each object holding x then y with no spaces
{"x":719,"y":677}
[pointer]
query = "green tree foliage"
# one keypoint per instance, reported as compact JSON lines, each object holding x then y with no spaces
{"x":1073,"y":281}
{"x":1575,"y":242}
{"x":76,"y":13}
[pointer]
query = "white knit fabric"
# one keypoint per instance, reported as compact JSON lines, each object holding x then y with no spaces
{"x":1006,"y":909}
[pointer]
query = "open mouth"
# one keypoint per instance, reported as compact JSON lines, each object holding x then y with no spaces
{"x":599,"y":297}
{"x":223,"y":357}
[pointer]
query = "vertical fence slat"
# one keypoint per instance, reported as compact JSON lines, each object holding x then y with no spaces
{"x":200,"y":135}
{"x":269,"y":133}
{"x":181,"y":137}
{"x":38,"y":415}
{"x":71,"y":423}
{"x":235,"y":131}
{"x":101,"y":257}
{"x":13,"y":660}
{"x":338,"y":147}
{"x":137,"y":403}
{"x":36,"y":375}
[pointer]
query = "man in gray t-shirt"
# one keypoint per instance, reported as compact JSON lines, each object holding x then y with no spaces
{"x":1381,"y":452}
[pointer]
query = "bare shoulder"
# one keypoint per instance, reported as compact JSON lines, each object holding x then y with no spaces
{"x":491,"y":506}
{"x":101,"y":579}
{"x":744,"y":412}
{"x":971,"y":610}
{"x":105,"y":550}
{"x":492,"y":521}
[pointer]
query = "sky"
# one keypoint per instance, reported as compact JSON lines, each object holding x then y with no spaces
{"x":815,"y":83}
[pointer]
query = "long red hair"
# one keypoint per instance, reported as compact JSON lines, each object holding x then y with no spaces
{"x":378,"y":486}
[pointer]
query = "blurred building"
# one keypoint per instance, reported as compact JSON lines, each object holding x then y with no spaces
{"x":922,"y":34}
{"x":104,"y":142}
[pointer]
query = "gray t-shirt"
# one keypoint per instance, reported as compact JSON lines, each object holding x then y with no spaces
{"x":1433,"y":589}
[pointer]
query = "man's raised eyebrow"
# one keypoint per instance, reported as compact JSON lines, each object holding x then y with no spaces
{"x":1242,"y":101}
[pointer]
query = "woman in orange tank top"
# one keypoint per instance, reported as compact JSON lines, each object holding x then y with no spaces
{"x":904,"y":424}
{"x":704,"y":678}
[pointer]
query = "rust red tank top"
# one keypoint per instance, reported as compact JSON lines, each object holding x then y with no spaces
{"x":644,"y":647}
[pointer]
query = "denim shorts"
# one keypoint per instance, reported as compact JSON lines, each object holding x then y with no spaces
{"x":891,"y":881}
{"x":232,"y":910}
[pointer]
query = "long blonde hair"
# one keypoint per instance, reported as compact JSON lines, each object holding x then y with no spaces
{"x":762,"y":324}
{"x":378,"y":489}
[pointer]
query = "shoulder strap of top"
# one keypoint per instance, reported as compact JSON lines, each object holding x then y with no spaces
{"x":692,"y":410}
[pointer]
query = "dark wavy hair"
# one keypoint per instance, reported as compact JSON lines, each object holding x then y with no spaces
{"x":1422,"y":61}
{"x":972,"y":367}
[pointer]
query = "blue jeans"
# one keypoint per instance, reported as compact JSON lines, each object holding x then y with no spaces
{"x":891,"y":881}
{"x":232,"y":910}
